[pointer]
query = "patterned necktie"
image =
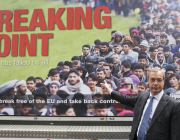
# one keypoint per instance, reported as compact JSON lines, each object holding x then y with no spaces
{"x":145,"y":120}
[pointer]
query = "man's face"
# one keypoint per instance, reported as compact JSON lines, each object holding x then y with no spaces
{"x":75,"y":66}
{"x":174,"y":81}
{"x":107,"y":70}
{"x":22,"y":89}
{"x":157,"y":37}
{"x":160,"y":49}
{"x":142,"y":62}
{"x":160,"y":58}
{"x":104,"y":48}
{"x":96,"y":50}
{"x":39,"y":105}
{"x":143,"y":26}
{"x":70,"y":112}
{"x":149,"y":31}
{"x":53,"y":89}
{"x":100,"y":74}
{"x":178,"y":40}
{"x":118,"y":38}
{"x":163,"y":39}
{"x":53,"y":111}
{"x":100,"y":64}
{"x":101,"y":112}
{"x":154,"y":52}
{"x":143,"y":48}
{"x":175,"y":58}
{"x":125,"y":48}
{"x":155,"y":20}
{"x":91,"y":83}
{"x":156,"y":44}
{"x":168,"y":73}
{"x":141,"y":88}
{"x":25,"y":110}
{"x":138,"y":72}
{"x":73,"y":78}
{"x":55,"y":77}
{"x":66,"y":68}
{"x":166,"y":54}
{"x":116,"y":59}
{"x":117,"y":49}
{"x":30,"y":85}
{"x":156,"y":82}
{"x":169,"y":21}
{"x":85,"y":51}
{"x":127,"y":86}
{"x":146,"y":70}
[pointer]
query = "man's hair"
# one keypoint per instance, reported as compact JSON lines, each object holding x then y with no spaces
{"x":113,"y":31}
{"x":126,"y":63}
{"x":105,"y":43}
{"x":102,"y":60}
{"x":115,"y":46}
{"x":31,"y":78}
{"x":93,"y":76}
{"x":75,"y":62}
{"x":137,"y":38}
{"x":160,"y":46}
{"x":73,"y":71}
{"x":142,"y":56}
{"x":40,"y":79}
{"x":30,"y":105}
{"x":126,"y":43}
{"x":174,"y":75}
{"x":62,"y":108}
{"x":109,"y":60}
{"x":99,"y":70}
{"x":136,"y":45}
{"x":100,"y":106}
{"x":64,"y":75}
{"x":54,"y":72}
{"x":139,"y":67}
{"x":151,"y":49}
{"x":40,"y":93}
{"x":97,"y":46}
{"x":68,"y":63}
{"x":147,"y":66}
{"x":75,"y":58}
{"x":87,"y":46}
{"x":142,"y":84}
{"x":154,"y":69}
{"x":106,"y":64}
{"x":156,"y":65}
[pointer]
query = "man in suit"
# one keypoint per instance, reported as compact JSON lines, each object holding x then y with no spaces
{"x":155,"y":113}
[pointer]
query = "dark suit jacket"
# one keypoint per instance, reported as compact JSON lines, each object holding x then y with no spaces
{"x":164,"y":124}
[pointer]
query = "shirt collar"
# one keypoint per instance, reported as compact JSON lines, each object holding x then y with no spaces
{"x":158,"y":96}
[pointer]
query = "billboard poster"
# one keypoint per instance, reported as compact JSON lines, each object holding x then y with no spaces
{"x":55,"y":53}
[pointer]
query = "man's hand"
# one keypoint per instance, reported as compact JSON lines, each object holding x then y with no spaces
{"x":105,"y":86}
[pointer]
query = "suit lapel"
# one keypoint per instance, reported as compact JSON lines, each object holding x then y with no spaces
{"x":160,"y":107}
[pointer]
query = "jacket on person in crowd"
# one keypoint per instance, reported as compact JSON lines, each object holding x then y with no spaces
{"x":115,"y":71}
{"x":169,"y":59}
{"x":132,"y":56}
{"x":115,"y":42}
{"x":114,"y":79}
{"x":79,"y":87}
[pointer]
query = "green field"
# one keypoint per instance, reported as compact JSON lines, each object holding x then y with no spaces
{"x":64,"y":45}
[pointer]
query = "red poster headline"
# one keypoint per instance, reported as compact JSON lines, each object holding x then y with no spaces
{"x":74,"y":17}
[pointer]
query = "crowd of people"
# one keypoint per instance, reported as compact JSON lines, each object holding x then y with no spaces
{"x":73,"y":87}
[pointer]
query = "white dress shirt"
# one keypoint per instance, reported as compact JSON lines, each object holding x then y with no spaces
{"x":156,"y":100}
